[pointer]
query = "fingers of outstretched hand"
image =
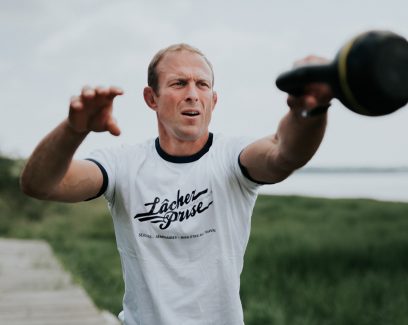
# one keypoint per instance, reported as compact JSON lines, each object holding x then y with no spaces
{"x":99,"y":95}
{"x":94,"y":103}
{"x":76,"y":103}
{"x":108,"y":92}
{"x":87,"y":93}
{"x":311,"y":60}
{"x":322,"y":91}
{"x":115,"y":91}
{"x":315,"y":94}
{"x":302,"y":102}
{"x":92,"y":110}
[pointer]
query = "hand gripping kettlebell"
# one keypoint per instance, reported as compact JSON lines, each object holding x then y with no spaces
{"x":369,"y":75}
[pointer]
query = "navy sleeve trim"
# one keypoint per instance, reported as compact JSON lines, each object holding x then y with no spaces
{"x":244,"y":171}
{"x":105,"y":179}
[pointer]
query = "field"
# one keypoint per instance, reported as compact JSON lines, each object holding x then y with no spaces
{"x":309,"y":260}
{"x":321,"y":261}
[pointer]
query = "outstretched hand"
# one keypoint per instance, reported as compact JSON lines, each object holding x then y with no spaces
{"x":92,"y":110}
{"x":314,"y":94}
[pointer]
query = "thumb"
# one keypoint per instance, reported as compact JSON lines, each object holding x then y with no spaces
{"x":113,"y":127}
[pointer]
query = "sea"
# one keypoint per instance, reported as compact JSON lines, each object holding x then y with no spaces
{"x":391,"y":185}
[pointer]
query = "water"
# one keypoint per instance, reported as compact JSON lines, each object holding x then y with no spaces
{"x":392,"y":186}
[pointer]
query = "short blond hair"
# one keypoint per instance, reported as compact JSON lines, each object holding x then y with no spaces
{"x":153,"y":76}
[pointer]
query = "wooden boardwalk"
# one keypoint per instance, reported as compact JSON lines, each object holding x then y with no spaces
{"x":35,"y":290}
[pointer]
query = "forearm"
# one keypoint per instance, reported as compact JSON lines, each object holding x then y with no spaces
{"x":299,"y":134}
{"x":274,"y":158}
{"x":298,"y":139}
{"x":50,"y":161}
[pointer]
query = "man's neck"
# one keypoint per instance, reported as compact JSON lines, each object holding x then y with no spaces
{"x":182,"y":148}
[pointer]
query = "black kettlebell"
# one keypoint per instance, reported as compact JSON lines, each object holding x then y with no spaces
{"x":369,"y":74}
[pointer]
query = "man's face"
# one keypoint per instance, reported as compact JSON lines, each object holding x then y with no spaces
{"x":185,"y":99}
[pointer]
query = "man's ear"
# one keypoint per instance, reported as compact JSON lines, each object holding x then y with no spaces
{"x":215,"y":99}
{"x":149,"y":97}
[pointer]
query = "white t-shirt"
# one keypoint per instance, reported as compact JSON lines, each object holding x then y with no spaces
{"x":182,"y":225}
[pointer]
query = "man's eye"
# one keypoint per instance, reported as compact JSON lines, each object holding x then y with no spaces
{"x":204,"y":84}
{"x":179,"y":83}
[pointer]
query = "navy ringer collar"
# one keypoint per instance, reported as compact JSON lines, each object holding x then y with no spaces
{"x":184,"y":159}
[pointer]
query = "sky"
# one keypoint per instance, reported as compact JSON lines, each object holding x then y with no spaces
{"x":50,"y":49}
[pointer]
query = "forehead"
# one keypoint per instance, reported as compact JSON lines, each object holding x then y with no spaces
{"x":183,"y":64}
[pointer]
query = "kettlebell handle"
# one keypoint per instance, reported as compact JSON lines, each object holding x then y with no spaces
{"x":294,"y":81}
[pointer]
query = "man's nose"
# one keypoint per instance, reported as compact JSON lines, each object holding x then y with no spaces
{"x":191,"y":93}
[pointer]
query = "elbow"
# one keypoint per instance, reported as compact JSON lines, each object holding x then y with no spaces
{"x":32,"y":190}
{"x":290,"y":160}
{"x":27,"y":188}
{"x":281,"y":168}
{"x":288,"y":165}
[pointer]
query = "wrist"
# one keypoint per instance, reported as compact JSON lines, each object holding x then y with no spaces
{"x":72,"y":131}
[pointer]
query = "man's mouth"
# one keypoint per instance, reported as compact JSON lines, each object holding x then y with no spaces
{"x":191,"y":113}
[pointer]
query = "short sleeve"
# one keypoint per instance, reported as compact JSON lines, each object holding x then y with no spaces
{"x":230,"y":149}
{"x":106,"y":160}
{"x":240,"y":170}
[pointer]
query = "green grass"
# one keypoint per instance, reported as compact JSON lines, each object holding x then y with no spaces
{"x":308,"y":261}
{"x":321,"y":261}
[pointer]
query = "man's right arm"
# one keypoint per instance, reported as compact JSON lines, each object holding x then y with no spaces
{"x":51,"y":173}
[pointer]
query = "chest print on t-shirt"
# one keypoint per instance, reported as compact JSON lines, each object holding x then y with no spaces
{"x":164,"y":211}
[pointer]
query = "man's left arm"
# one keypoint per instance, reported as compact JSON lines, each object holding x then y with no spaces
{"x":274,"y":158}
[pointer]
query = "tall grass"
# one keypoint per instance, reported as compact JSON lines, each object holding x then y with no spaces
{"x":321,"y":261}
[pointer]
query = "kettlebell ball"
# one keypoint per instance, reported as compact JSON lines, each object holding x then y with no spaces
{"x":369,"y":75}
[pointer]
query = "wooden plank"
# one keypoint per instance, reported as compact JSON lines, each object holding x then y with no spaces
{"x":36,"y":290}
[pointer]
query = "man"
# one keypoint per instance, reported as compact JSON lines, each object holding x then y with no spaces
{"x":181,"y":204}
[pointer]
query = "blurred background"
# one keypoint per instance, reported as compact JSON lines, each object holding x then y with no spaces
{"x":328,"y":261}
{"x":51,"y":49}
